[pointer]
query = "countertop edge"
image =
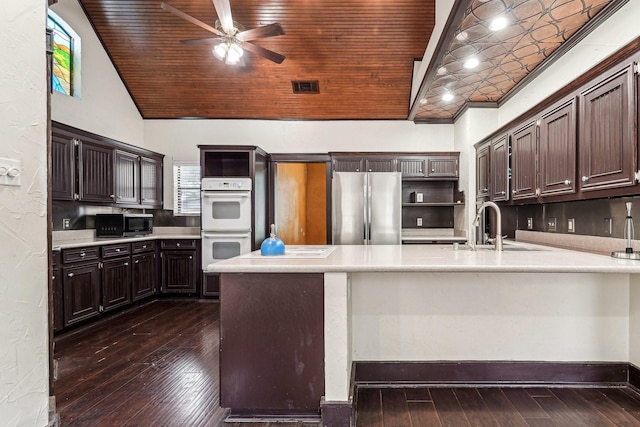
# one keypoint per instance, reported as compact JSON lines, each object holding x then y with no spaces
{"x":110,"y":241}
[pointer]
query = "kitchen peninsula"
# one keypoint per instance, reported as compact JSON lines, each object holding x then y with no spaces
{"x":424,"y":303}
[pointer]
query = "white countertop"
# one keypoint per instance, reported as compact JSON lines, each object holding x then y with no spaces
{"x":434,"y":258}
{"x":80,"y":238}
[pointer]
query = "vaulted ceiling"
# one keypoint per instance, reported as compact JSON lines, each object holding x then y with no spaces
{"x":361,"y":53}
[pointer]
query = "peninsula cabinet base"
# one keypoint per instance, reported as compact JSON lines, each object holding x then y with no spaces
{"x":271,"y":344}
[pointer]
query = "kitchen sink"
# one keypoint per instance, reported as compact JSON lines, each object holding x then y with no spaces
{"x":297,"y":252}
{"x":505,"y":248}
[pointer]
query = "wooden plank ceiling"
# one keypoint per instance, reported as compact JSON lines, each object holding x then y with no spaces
{"x":361,"y":52}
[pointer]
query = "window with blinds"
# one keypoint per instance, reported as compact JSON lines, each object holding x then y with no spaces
{"x":186,"y":188}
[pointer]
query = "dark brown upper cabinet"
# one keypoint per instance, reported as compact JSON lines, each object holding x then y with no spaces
{"x":348,"y":164}
{"x":413,"y":166}
{"x":607,"y":144}
{"x":500,"y":168}
{"x":557,"y":149}
{"x":127,"y":177}
{"x":442,"y":167}
{"x":523,"y":161}
{"x":63,"y":170}
{"x":380,"y":165}
{"x":482,"y":170}
{"x":95,"y":163}
{"x":151,"y":181}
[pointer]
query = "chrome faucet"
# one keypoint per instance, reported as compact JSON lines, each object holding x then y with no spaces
{"x":495,"y":207}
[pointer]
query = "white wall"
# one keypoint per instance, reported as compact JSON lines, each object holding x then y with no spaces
{"x":105,"y":107}
{"x":23,"y":227}
{"x":503,"y":316}
{"x":179,"y":139}
{"x":617,"y":31}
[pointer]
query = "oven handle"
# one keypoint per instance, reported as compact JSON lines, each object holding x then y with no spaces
{"x":225,"y":194}
{"x":225,"y":235}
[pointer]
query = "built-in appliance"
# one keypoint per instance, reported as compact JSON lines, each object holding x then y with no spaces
{"x":226,"y":218}
{"x":367,"y":208}
{"x":123,"y":224}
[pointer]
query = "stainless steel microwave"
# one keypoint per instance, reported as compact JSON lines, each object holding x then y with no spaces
{"x":123,"y":225}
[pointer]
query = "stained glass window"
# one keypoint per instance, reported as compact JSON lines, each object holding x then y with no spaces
{"x":63,"y":69}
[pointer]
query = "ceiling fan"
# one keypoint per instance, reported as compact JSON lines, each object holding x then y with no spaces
{"x":231,"y":38}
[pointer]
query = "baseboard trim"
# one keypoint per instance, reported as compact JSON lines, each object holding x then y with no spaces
{"x":495,"y":372}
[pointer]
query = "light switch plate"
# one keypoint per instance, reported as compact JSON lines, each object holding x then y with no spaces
{"x":419,"y":222}
{"x":10,"y":172}
{"x":529,"y":223}
{"x":551,"y":224}
{"x":571,"y":225}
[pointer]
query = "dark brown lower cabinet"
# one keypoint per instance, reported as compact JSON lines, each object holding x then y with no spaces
{"x":271,"y":343}
{"x":58,"y":309}
{"x":210,"y":285}
{"x":81,"y":289}
{"x":116,"y":283}
{"x":180,"y":271}
{"x":144,"y":275}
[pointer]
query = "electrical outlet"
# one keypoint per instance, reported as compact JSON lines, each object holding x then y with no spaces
{"x":419,"y":222}
{"x":66,"y":223}
{"x":607,"y":226}
{"x":571,"y":225}
{"x":529,"y":223}
{"x":551,"y":224}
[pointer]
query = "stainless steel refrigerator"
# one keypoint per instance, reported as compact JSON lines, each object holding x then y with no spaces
{"x":367,"y":208}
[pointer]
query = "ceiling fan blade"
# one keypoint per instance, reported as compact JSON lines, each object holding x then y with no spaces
{"x":223,"y":9}
{"x":265,"y":53}
{"x":189,"y":18}
{"x":205,"y":41}
{"x":265,"y":31}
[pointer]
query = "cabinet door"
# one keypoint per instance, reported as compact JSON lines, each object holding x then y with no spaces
{"x":144,"y":275}
{"x":380,"y":165}
{"x":557,"y":150}
{"x":500,"y":169}
{"x":523,"y":162}
{"x":348,"y":164}
{"x":442,"y":166}
{"x":116,"y":283}
{"x":482,"y":170}
{"x":151,"y":182}
{"x":127,"y":177}
{"x":179,"y":271}
{"x":413,"y":166}
{"x":96,"y":172}
{"x":58,"y":303}
{"x":63,"y":168}
{"x":81,"y":290}
{"x":607,"y":138}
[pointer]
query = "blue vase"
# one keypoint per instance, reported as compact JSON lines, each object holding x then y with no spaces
{"x":272,"y":245}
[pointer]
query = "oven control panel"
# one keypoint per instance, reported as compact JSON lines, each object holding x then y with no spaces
{"x":226,"y":184}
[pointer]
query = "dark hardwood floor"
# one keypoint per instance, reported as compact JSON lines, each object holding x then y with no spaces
{"x":158,"y":366}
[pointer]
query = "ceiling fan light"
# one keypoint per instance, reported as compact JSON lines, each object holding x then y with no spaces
{"x":220,"y":51}
{"x":234,"y":53}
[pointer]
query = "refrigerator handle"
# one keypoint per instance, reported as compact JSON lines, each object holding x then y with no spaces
{"x":365,"y":222}
{"x":368,"y":212}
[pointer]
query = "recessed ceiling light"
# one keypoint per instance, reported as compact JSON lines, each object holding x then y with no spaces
{"x":471,"y":63}
{"x":447,"y":96}
{"x":423,"y":101}
{"x":498,"y":23}
{"x":462,"y":36}
{"x":442,"y":70}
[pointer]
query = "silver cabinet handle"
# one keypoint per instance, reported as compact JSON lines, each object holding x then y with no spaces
{"x":433,"y":170}
{"x":125,"y":264}
{"x":485,"y":189}
{"x":144,"y":246}
{"x":585,"y":178}
{"x":70,"y":274}
{"x":178,"y":244}
{"x":567,"y":181}
{"x":82,"y":254}
{"x":503,"y":193}
{"x":357,"y":169}
{"x":117,"y":249}
{"x":113,"y":196}
{"x":190,"y":257}
{"x":136,"y":261}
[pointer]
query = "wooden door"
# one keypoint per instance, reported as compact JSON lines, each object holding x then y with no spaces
{"x":151,"y":182}
{"x":179,"y":271}
{"x":81,"y":289}
{"x":96,"y":172}
{"x":607,"y":138}
{"x":523,"y":162}
{"x":557,"y":150}
{"x":63,"y":168}
{"x":127,"y":177}
{"x":500,"y":169}
{"x":116,"y":283}
{"x":143,"y":283}
{"x":482,"y":170}
{"x":442,"y":166}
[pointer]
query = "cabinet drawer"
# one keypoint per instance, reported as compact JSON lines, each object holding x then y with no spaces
{"x":80,"y":254}
{"x":146,"y":246}
{"x":116,"y":250}
{"x":178,"y":244}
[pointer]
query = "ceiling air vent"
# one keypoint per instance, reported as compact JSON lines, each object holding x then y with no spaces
{"x":305,"y":86}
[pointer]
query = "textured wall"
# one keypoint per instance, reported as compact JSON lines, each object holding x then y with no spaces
{"x":23,"y":233}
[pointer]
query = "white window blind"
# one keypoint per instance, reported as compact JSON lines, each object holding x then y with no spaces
{"x":186,"y":188}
